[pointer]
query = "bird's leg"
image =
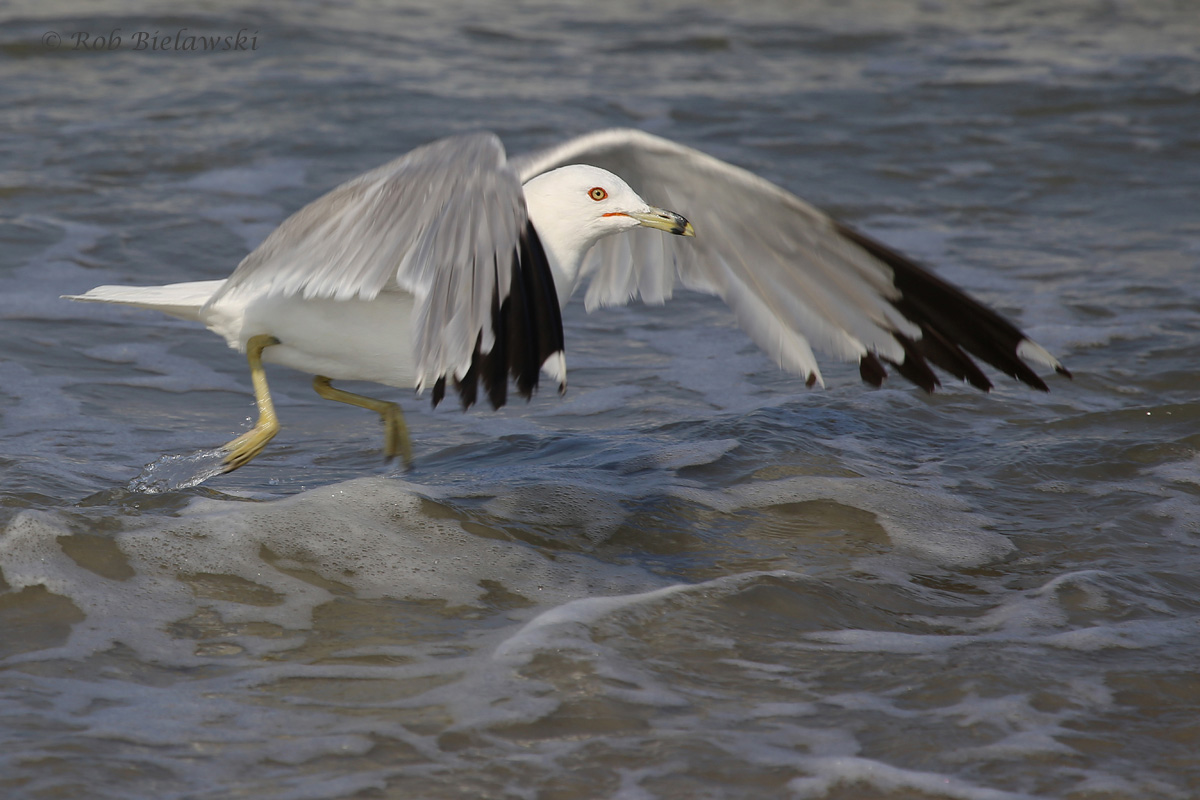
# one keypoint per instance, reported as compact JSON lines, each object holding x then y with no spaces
{"x":395,"y":432}
{"x":251,"y":443}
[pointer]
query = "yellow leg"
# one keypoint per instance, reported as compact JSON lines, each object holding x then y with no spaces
{"x":251,"y":443}
{"x":395,"y":432}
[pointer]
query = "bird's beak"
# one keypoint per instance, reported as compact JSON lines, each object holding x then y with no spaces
{"x":663,"y":220}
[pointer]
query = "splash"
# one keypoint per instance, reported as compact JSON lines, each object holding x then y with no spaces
{"x":176,"y":472}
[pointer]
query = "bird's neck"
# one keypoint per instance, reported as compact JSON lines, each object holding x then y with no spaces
{"x":565,"y":243}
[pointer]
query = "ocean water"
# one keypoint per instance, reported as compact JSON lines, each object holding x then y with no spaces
{"x":689,"y":578}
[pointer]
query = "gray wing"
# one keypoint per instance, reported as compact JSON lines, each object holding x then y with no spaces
{"x":793,"y":275}
{"x":447,"y":223}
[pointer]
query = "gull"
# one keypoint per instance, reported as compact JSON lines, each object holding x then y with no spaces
{"x":454,"y":262}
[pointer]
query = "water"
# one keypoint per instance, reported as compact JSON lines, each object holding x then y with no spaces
{"x":690,"y":578}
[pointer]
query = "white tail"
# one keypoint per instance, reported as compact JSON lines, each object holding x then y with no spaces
{"x":183,"y":300}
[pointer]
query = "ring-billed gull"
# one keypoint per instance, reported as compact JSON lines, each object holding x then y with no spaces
{"x":454,"y":262}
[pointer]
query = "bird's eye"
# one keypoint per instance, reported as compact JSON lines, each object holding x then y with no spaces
{"x":596,"y":193}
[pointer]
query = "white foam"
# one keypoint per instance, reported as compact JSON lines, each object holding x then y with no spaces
{"x":574,"y":631}
{"x":564,"y":622}
{"x":930,"y":522}
{"x":1046,"y":616}
{"x":1139,"y":635}
{"x":1177,"y":483}
{"x":828,"y":773}
{"x":371,"y":534}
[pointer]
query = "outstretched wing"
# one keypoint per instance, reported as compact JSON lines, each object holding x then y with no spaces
{"x":446,"y":223}
{"x":793,"y":275}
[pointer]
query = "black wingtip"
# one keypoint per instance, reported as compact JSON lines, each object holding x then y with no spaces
{"x":872,"y":370}
{"x":952,"y":325}
{"x":526,"y":330}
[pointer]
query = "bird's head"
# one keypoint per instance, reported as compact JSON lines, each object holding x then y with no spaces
{"x":581,"y":204}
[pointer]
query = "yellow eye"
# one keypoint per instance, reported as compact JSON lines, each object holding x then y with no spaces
{"x":596,"y":193}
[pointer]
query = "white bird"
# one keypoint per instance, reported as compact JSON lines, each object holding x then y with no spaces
{"x":454,"y":261}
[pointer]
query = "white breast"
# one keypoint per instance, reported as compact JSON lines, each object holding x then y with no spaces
{"x":340,"y":339}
